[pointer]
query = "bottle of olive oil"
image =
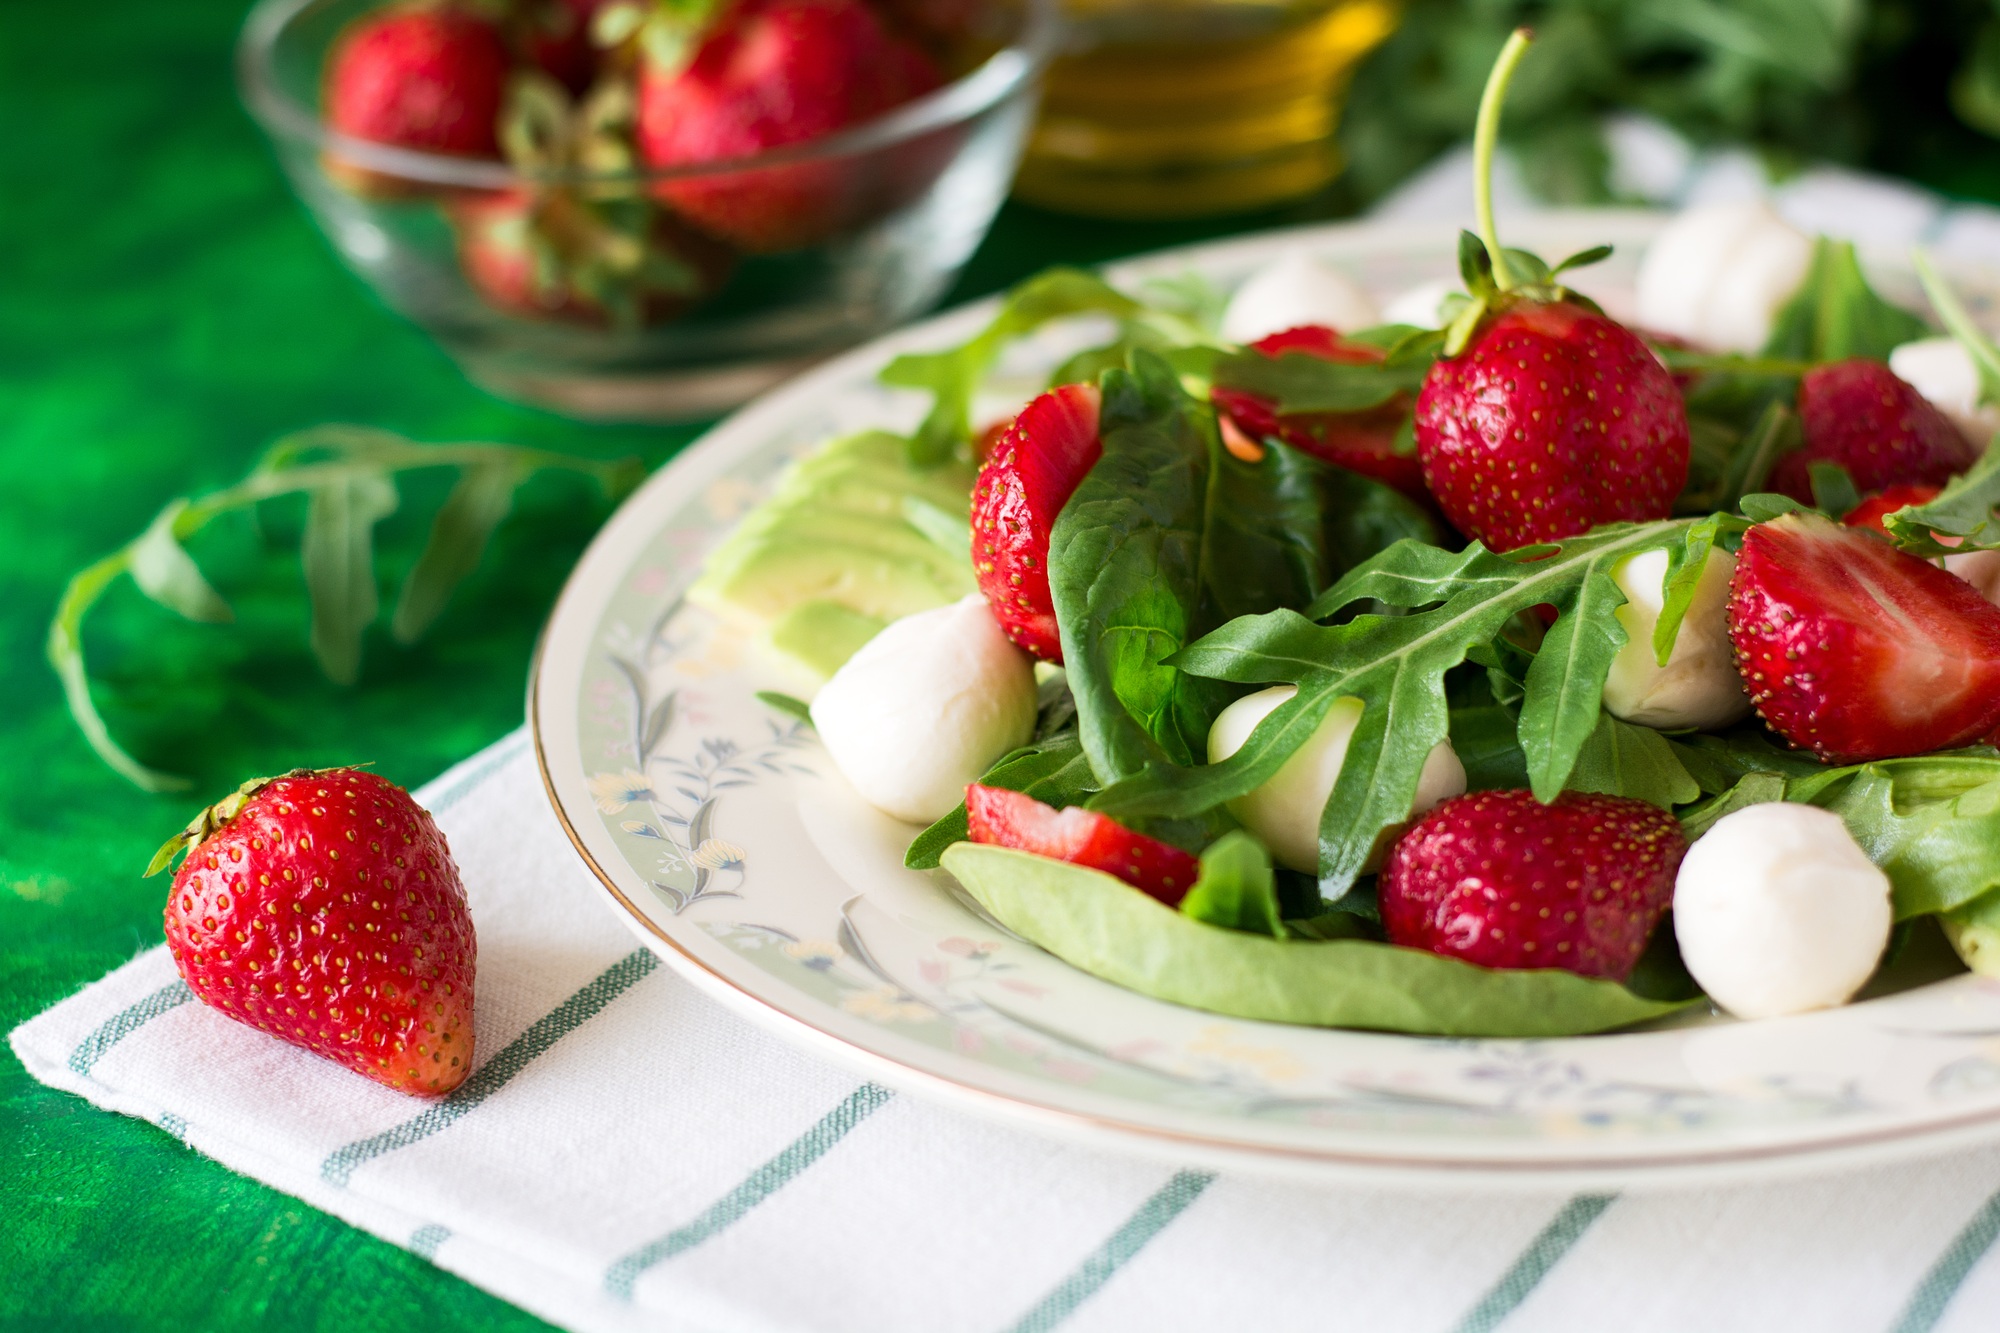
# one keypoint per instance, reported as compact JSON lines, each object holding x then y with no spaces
{"x":1181,"y":108}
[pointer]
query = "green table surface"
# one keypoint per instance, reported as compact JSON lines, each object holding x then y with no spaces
{"x":165,"y":310}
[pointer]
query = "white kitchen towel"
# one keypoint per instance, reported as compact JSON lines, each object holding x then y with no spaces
{"x":629,"y":1155}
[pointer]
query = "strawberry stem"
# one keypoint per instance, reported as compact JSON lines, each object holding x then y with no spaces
{"x":1485,"y":136}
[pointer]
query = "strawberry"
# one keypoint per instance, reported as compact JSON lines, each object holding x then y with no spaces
{"x":1544,"y":417}
{"x":1363,"y":442}
{"x":1552,"y":420}
{"x":1081,"y":837}
{"x":1871,"y":511}
{"x":428,"y":78}
{"x":1499,"y":879}
{"x":324,"y":909}
{"x":1861,"y":415}
{"x":1856,"y":650}
{"x":767,"y":74}
{"x":554,"y":36}
{"x":1029,"y":474}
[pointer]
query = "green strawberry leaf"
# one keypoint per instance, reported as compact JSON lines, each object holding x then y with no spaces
{"x":166,"y":573}
{"x":1963,"y":510}
{"x":1835,"y":314}
{"x":1237,"y":888}
{"x":1457,"y":604}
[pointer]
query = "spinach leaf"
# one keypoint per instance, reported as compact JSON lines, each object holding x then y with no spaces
{"x":1835,"y":314}
{"x":1974,"y":932}
{"x":1458,"y":601}
{"x":1301,"y":382}
{"x":1053,"y":771}
{"x":1168,"y":537}
{"x":953,"y":376}
{"x":1111,"y":930}
{"x":1236,"y":888}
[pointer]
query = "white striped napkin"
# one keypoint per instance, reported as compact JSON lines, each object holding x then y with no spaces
{"x":628,"y":1155}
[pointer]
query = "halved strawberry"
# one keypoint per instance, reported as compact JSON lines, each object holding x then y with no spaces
{"x":1081,"y":837}
{"x":1029,"y":474}
{"x":1870,"y":512}
{"x":1499,"y":879}
{"x":1856,"y":650}
{"x":1861,"y":415}
{"x":1363,"y":442}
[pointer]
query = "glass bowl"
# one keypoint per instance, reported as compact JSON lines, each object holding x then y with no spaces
{"x":664,"y":306}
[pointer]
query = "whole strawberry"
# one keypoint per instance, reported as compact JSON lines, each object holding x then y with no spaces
{"x":1499,"y":879}
{"x":1030,"y":472}
{"x":1363,"y":442}
{"x":1081,"y":837}
{"x":769,"y":73}
{"x":1544,"y":417}
{"x":1857,"y":651}
{"x":1861,"y":415}
{"x":324,"y":908}
{"x":429,"y":78}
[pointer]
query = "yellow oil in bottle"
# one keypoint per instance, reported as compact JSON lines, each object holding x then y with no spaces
{"x":1182,"y":108}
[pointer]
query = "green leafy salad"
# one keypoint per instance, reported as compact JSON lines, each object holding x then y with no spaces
{"x":1521,"y":675}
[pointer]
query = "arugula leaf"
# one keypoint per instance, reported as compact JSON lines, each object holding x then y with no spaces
{"x":1833,"y":488}
{"x":954,"y":375}
{"x":338,"y":553}
{"x":1835,"y":314}
{"x":166,"y":573}
{"x":1964,"y":510}
{"x":1765,"y":506}
{"x":1685,"y":563}
{"x":1958,"y":321}
{"x":786,"y":704}
{"x":1751,"y":789}
{"x":1053,"y":771}
{"x":1396,"y":665}
{"x":1236,"y":889}
{"x":464,"y":524}
{"x":1111,"y":930}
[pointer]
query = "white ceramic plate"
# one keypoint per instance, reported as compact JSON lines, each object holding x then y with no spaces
{"x":724,"y":839}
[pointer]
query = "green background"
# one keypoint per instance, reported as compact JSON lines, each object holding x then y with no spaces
{"x":165,"y":311}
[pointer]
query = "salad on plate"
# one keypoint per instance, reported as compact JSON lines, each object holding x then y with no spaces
{"x":1484,"y":667}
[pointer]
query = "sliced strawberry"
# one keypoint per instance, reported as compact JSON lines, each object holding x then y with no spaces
{"x":1553,"y":419}
{"x":1861,"y":415}
{"x":1870,"y":512}
{"x":1081,"y":837}
{"x":1499,"y":879}
{"x":1856,"y":650}
{"x":1029,"y":474}
{"x":1363,"y":442}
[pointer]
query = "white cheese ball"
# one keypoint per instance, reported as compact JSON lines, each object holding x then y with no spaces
{"x":1979,"y":568}
{"x":1292,"y":290}
{"x":1420,"y":306}
{"x":1942,"y":370}
{"x":1718,"y":275}
{"x":925,"y":707}
{"x":1699,"y":686}
{"x":1778,"y":911}
{"x":1285,"y":811}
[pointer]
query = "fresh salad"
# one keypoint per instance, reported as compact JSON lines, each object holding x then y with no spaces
{"x":1495,"y":668}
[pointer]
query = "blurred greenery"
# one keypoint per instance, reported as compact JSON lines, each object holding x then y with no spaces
{"x":1905,"y":86}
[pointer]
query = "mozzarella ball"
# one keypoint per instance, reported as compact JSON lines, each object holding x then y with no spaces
{"x":1420,"y":306}
{"x":1942,"y":370}
{"x":1285,"y":811}
{"x":1979,"y":568}
{"x":1778,"y":911}
{"x":1292,"y":290}
{"x":926,"y":707}
{"x":1699,"y":686}
{"x":1718,"y":275}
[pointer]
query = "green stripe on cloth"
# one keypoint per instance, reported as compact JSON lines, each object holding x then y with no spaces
{"x":504,"y":751}
{"x":1928,"y":1302}
{"x":1152,"y":1217}
{"x":496,"y":1073}
{"x":126,"y":1022}
{"x":1564,"y":1230}
{"x":424,"y":1241}
{"x":765,"y":1181}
